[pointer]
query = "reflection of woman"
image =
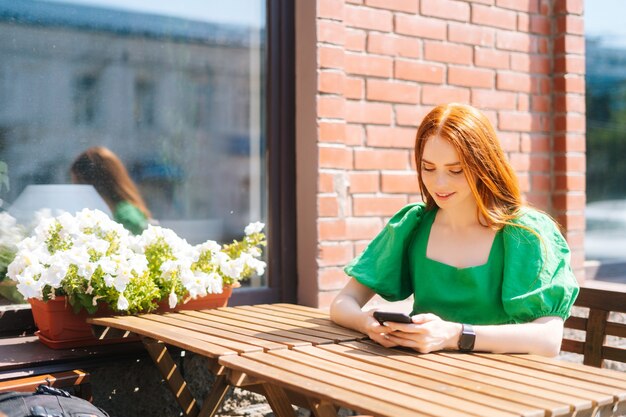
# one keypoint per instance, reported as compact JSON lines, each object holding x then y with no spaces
{"x":486,"y":272}
{"x":101,"y":168}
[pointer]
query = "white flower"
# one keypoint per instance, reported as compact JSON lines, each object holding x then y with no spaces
{"x":122,"y":303}
{"x":254,"y":227}
{"x":172,"y":299}
{"x":30,"y":288}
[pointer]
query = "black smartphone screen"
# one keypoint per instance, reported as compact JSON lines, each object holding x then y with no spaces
{"x":383,"y":316}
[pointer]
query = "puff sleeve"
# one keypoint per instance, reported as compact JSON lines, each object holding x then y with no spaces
{"x":538,"y":280}
{"x":383,"y":265}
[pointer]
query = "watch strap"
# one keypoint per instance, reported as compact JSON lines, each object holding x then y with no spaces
{"x":467,"y":338}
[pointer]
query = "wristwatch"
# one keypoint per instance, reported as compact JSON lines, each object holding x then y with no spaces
{"x":467,"y":339}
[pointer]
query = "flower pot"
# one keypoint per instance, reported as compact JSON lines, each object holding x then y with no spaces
{"x":61,"y":328}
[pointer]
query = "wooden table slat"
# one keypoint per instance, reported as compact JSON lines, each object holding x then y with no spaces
{"x":495,"y":386}
{"x":360,"y":402}
{"x":288,"y":363}
{"x":601,"y":372}
{"x":313,"y":312}
{"x":608,"y":385}
{"x":323,"y":324}
{"x":236,"y":321}
{"x":158,"y":333}
{"x":314,"y":336}
{"x":314,"y":357}
{"x":415,"y":376}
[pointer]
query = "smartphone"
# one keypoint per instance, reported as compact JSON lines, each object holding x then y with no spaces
{"x":383,"y":316}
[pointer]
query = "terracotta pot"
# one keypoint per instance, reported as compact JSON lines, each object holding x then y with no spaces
{"x":61,"y":328}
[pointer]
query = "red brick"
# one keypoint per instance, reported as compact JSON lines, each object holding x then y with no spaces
{"x":355,"y":135}
{"x":390,"y":137}
{"x":354,"y":1}
{"x":568,"y":201}
{"x":491,"y":16}
{"x":569,"y":103}
{"x":331,"y":82}
{"x":490,"y":58}
{"x":519,"y":5}
{"x":331,"y":229}
{"x":540,"y":25}
{"x":360,"y":246}
{"x":540,"y":182}
{"x":364,"y":182}
{"x":570,"y":122}
{"x":509,"y":141}
{"x":474,"y":35}
{"x":540,"y":143}
{"x":493,"y":99}
{"x":540,"y":103}
{"x":512,"y":81}
{"x":540,"y":163}
{"x":573,"y":182}
{"x":335,"y":157}
{"x":330,"y":57}
{"x":377,"y":205}
{"x":446,"y":9}
{"x":327,"y":206}
{"x":571,"y":221}
{"x":447,"y":53}
{"x":331,"y":9}
{"x":364,"y":112}
{"x":331,"y":107}
{"x":569,"y":83}
{"x":362,"y":228}
{"x":569,"y":142}
{"x":569,"y":44}
{"x":520,"y":161}
{"x":378,"y":66}
{"x":572,"y":163}
{"x":367,"y":18}
{"x":387,"y":44}
{"x":410,"y":115}
{"x":419,"y":71}
{"x":421,"y":27}
{"x":355,"y":40}
{"x":332,"y":132}
{"x":520,"y":122}
{"x":523,"y":22}
{"x":331,"y":31}
{"x":354,"y":88}
{"x":332,"y":279}
{"x":569,"y":6}
{"x":436,"y":95}
{"x":538,"y":199}
{"x":400,"y":182}
{"x":332,"y":254}
{"x":325,"y":182}
{"x":395,"y":92}
{"x":471,"y":77}
{"x":523,"y":102}
{"x":393,"y":159}
{"x":574,"y":25}
{"x":572,"y":64}
{"x":408,"y":6}
{"x":514,"y":41}
{"x":535,"y":64}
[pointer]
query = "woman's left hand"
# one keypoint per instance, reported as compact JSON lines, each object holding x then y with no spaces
{"x":427,"y":333}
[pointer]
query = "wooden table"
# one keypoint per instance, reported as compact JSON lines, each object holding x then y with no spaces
{"x":294,"y":354}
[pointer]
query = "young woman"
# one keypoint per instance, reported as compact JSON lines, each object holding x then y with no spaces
{"x":486,"y":272}
{"x":101,"y":168}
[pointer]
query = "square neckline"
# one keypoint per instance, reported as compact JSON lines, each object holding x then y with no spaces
{"x":434,"y":261}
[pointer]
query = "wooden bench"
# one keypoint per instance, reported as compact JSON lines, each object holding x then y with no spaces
{"x":76,"y":379}
{"x":599,"y":326}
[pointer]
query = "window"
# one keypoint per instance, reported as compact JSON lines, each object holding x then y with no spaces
{"x":605,"y":237}
{"x":180,"y":93}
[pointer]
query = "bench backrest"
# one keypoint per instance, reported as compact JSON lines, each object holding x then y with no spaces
{"x":601,"y":299}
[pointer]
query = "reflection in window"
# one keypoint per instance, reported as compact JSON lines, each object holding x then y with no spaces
{"x":85,"y":99}
{"x":605,"y":236}
{"x":177,"y":95}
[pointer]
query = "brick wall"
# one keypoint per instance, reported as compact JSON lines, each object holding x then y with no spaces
{"x":382,"y":64}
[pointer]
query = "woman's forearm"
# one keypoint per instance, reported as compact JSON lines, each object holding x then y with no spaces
{"x":542,"y":337}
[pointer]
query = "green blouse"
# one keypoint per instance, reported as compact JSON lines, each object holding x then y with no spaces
{"x":523,"y":279}
{"x":130,"y":217}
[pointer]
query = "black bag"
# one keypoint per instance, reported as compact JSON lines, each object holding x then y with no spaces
{"x":46,"y":402}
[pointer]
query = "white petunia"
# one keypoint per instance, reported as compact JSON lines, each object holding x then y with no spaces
{"x":122,"y":303}
{"x":172,"y":299}
{"x":254,"y":227}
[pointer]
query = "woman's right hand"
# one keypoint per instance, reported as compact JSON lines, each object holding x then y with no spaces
{"x":375,"y":331}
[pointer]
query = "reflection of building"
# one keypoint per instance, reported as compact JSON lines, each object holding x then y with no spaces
{"x":168,"y":95}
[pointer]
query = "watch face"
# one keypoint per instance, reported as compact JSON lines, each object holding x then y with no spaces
{"x":466,"y":341}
